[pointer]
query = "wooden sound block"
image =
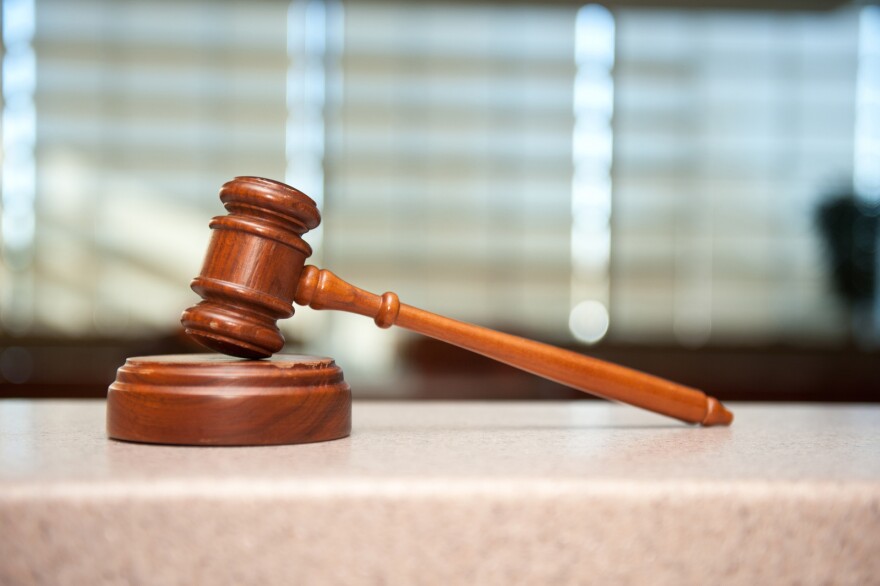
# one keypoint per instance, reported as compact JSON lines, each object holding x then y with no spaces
{"x":216,"y":400}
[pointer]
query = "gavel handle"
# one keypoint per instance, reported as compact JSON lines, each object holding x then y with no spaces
{"x":321,"y":289}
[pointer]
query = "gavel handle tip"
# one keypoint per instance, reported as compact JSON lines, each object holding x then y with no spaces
{"x":716,"y":414}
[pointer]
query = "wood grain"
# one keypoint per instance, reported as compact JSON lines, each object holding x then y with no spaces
{"x":253,"y":262}
{"x":321,"y":289}
{"x":214,"y":400}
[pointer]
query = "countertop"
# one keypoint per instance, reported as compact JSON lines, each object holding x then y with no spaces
{"x":450,"y":493}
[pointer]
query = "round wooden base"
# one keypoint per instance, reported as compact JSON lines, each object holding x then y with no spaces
{"x":215,"y":400}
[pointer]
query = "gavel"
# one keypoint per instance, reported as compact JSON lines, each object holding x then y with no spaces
{"x":255,"y":269}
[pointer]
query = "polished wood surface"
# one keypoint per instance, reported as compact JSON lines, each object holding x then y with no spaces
{"x":254,"y":269}
{"x":255,"y":256}
{"x":215,"y":400}
{"x":321,"y":289}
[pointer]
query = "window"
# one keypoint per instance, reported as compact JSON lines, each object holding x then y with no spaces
{"x":656,"y":169}
{"x":139,"y":114}
{"x":730,"y":127}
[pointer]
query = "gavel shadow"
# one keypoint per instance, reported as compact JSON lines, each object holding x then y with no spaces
{"x":500,"y":427}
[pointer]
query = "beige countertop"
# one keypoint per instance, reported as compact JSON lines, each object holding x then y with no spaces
{"x":450,"y":493}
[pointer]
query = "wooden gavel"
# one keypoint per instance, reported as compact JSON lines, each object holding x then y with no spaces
{"x":255,"y":268}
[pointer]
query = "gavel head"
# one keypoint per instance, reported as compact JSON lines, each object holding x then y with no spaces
{"x":252,"y":267}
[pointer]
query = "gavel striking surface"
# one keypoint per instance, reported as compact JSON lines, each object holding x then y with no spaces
{"x":210,"y":399}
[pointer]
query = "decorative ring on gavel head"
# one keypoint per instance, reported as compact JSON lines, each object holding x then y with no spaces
{"x":252,"y":267}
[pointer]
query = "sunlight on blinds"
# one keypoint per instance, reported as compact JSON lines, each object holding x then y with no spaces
{"x":631,"y":175}
{"x":729,"y":129}
{"x":867,"y":122}
{"x":18,"y":207}
{"x":593,"y":151}
{"x":141,"y":114}
{"x":449,"y":160}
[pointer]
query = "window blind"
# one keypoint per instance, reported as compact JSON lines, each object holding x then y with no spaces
{"x":448,"y":161}
{"x":142,"y":110}
{"x":466,"y":156}
{"x":729,"y":129}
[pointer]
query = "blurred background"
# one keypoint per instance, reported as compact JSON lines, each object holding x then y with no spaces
{"x":688,"y":188}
